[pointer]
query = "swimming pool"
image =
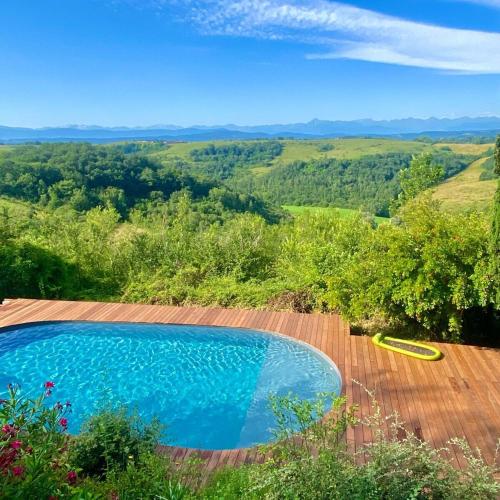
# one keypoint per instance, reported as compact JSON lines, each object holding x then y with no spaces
{"x":209,"y":385}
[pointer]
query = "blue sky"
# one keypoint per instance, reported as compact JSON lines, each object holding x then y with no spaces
{"x":145,"y":62}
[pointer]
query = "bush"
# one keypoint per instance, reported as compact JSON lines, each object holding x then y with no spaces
{"x":112,"y":440}
{"x":115,"y":458}
{"x":429,"y":269}
{"x":150,"y":477}
{"x":316,"y":464}
{"x":116,"y":453}
{"x":33,"y":446}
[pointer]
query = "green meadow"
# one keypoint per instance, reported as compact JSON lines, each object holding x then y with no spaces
{"x":466,"y":191}
{"x":342,"y":212}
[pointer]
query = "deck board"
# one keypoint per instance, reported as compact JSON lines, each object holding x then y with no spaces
{"x":458,"y":395}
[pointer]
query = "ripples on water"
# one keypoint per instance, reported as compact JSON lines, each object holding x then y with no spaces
{"x":209,"y":385}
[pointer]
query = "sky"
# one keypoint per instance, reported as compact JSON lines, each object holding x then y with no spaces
{"x":248,"y":62}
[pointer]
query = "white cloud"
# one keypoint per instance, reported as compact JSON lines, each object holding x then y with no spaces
{"x":339,"y":30}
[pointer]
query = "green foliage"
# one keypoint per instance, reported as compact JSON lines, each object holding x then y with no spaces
{"x":325,"y":147}
{"x":369,"y":183}
{"x":315,"y":248}
{"x":115,"y":457}
{"x":343,"y":212}
{"x":33,"y":444}
{"x":430,"y":268}
{"x":422,"y":174}
{"x":84,"y":176}
{"x":80,"y":174}
{"x":220,"y":162}
{"x":315,"y":463}
{"x":29,"y":270}
{"x":426,"y":268}
{"x":151,"y":476}
{"x":221,"y":247}
{"x":112,"y":440}
{"x":488,"y":172}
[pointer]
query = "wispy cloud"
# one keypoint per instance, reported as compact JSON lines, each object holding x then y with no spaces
{"x":338,"y":30}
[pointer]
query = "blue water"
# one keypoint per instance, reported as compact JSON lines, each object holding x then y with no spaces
{"x":210,"y":386}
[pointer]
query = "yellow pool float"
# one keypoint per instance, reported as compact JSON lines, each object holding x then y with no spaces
{"x":408,"y":347}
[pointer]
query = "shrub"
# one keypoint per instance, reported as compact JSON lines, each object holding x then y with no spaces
{"x":150,"y":477}
{"x":111,"y":441}
{"x":316,"y":463}
{"x":429,"y":269}
{"x":33,"y":446}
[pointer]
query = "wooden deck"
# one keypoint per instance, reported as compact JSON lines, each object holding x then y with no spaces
{"x":458,"y":396}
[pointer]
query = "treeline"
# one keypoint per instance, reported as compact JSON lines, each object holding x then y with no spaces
{"x":84,"y":176}
{"x":221,"y":161}
{"x":370,"y":182}
{"x":488,"y":172}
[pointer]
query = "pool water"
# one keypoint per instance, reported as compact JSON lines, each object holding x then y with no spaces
{"x":210,"y":386}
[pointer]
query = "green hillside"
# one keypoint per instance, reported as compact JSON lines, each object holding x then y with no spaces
{"x":342,"y":212}
{"x":350,"y":173}
{"x":294,"y":150}
{"x":466,"y":190}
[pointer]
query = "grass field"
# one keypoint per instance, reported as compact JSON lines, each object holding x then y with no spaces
{"x":468,"y":149}
{"x":347,"y":148}
{"x":343,"y":212}
{"x":310,"y":149}
{"x":465,"y":191}
{"x":295,"y":150}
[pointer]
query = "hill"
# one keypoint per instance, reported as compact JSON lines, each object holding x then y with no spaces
{"x":347,"y":173}
{"x":83,"y":176}
{"x":466,"y":190}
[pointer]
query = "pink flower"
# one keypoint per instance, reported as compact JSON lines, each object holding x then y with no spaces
{"x":63,"y":422}
{"x":8,"y":429}
{"x":17,"y":470}
{"x":71,"y":477}
{"x":16,"y":445}
{"x":49,"y":385}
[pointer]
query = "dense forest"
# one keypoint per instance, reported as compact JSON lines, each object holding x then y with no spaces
{"x":221,"y":162}
{"x":101,"y":223}
{"x":369,"y":182}
{"x":83,"y":176}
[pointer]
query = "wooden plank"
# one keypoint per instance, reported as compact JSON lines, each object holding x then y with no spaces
{"x":459,"y":395}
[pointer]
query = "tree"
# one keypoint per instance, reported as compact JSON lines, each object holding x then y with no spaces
{"x":430,"y":270}
{"x":422,"y":174}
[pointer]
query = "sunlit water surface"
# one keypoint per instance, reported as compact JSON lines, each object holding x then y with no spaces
{"x":209,"y":385}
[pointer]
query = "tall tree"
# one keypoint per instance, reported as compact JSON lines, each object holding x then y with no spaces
{"x":422,"y":174}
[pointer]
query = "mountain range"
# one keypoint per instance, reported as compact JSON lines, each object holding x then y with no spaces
{"x":406,"y":128}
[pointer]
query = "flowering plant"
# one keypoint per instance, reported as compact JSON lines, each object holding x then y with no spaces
{"x":34,"y":443}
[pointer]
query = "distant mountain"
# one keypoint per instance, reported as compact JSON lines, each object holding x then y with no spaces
{"x":404,"y":128}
